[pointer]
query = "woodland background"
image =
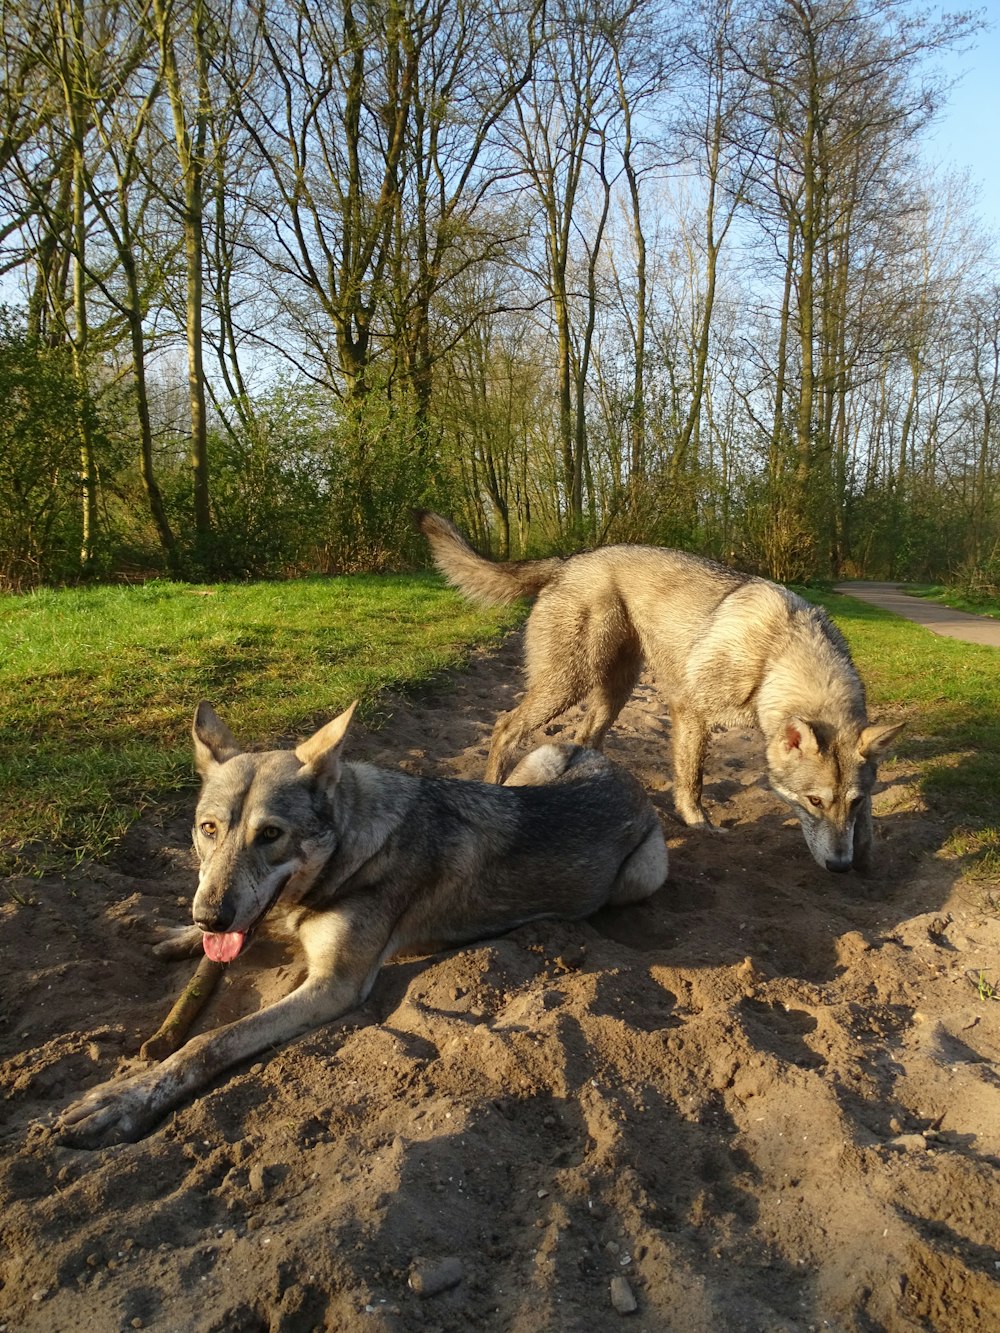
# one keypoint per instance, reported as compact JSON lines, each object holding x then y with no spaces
{"x":572,"y":271}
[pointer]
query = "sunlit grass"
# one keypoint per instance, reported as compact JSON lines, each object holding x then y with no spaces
{"x":98,"y":686}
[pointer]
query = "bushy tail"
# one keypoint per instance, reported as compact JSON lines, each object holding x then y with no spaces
{"x":480,"y":579}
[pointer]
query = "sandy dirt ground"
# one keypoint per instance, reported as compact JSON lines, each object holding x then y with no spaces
{"x":767,"y":1099}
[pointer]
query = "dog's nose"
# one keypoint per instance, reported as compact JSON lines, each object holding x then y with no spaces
{"x":838,"y":867}
{"x":218,"y":922}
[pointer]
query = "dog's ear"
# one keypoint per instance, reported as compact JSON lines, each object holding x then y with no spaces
{"x":800,"y":736}
{"x":214,"y":743}
{"x":321,"y":753}
{"x":874,"y":741}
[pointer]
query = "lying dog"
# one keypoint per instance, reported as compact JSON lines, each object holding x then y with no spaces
{"x":727,"y":649}
{"x":363,"y":864}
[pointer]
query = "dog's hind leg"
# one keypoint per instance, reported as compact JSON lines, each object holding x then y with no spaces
{"x":557,"y":678}
{"x":608,"y":697}
{"x":546,"y":764}
{"x":538,"y":707}
{"x":642,"y":872}
{"x":572,"y":652}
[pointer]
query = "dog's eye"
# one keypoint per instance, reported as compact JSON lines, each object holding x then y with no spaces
{"x":817,"y":801}
{"x":269,"y":833}
{"x":208,"y":827}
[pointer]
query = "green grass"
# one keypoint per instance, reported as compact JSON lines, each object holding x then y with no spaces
{"x":98,"y":686}
{"x":986,"y":989}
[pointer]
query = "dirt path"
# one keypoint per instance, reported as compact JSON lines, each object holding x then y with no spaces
{"x":768,"y":1099}
{"x":938,"y":619}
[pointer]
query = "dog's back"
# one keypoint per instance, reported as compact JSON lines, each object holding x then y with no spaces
{"x":568,"y":833}
{"x":712,"y":635}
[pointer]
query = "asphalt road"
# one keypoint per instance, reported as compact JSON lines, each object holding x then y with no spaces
{"x":935,"y":617}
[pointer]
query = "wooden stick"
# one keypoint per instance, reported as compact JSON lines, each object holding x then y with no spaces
{"x":173,"y":1031}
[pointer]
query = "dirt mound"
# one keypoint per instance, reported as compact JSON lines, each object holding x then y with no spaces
{"x":766,"y":1099}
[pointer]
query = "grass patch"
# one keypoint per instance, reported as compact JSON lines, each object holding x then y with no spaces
{"x":986,"y":988}
{"x":979,"y":849}
{"x":98,"y":685}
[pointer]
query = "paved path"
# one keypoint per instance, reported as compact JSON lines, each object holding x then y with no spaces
{"x":935,"y":617}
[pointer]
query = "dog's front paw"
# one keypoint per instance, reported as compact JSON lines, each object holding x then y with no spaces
{"x":117,"y":1112}
{"x":175,"y":942}
{"x":692,"y":815}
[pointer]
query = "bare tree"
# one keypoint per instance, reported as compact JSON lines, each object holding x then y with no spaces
{"x":187,"y":33}
{"x":565,"y":123}
{"x":327,"y":113}
{"x":840,"y":97}
{"x":475,"y":60}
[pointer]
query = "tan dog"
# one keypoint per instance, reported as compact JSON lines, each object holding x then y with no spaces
{"x":727,"y":649}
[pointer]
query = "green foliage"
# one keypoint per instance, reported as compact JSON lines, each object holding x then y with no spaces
{"x":300,"y":483}
{"x":271,"y":483}
{"x":915,"y":532}
{"x":977,"y":603}
{"x":39,"y":459}
{"x":978,"y":580}
{"x":383,"y":466}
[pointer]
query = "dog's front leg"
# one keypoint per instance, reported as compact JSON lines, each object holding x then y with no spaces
{"x":690,"y":745}
{"x":122,"y":1111}
{"x":343,"y":965}
{"x":864,"y":836}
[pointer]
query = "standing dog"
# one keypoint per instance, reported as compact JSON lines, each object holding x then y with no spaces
{"x":362,"y":864}
{"x":727,"y":649}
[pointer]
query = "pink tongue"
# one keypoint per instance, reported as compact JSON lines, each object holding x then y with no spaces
{"x":223,"y":948}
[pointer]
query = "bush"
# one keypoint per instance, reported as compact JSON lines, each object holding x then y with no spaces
{"x":305,"y":483}
{"x":40,"y":432}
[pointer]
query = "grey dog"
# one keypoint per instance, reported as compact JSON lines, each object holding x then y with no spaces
{"x":362,"y":864}
{"x":726,"y":649}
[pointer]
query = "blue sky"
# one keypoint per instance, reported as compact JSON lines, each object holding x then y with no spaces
{"x":967,"y":135}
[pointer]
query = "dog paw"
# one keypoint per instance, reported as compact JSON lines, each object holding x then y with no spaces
{"x":116,"y":1112}
{"x":175,"y":942}
{"x":694,"y":817}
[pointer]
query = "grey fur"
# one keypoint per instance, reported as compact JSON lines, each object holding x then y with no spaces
{"x":727,"y":649}
{"x":362,"y":864}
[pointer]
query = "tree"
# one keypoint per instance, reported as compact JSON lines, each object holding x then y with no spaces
{"x":563,"y":125}
{"x":327,"y":113}
{"x":839,"y":99}
{"x":475,"y":59}
{"x":187,"y":39}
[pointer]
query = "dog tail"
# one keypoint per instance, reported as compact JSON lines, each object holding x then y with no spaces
{"x":480,"y":579}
